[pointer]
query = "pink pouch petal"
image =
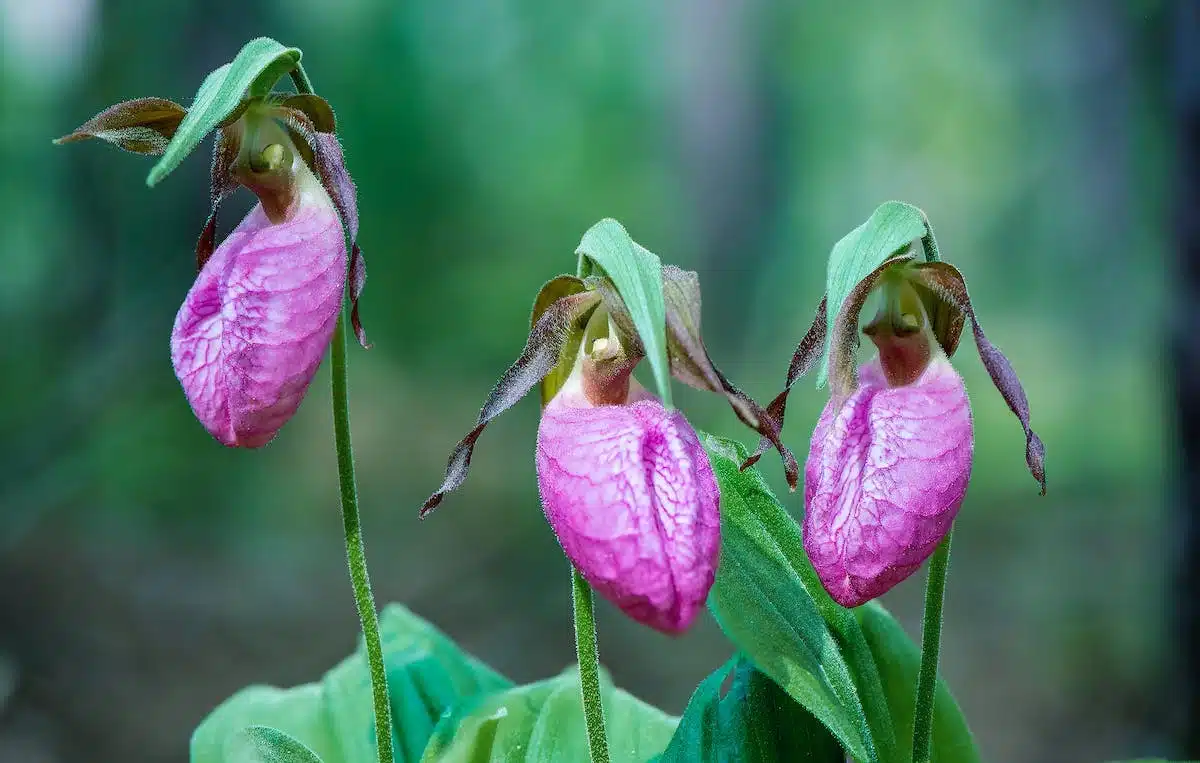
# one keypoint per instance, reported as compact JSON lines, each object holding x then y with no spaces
{"x":255,"y":325}
{"x":629,"y":492}
{"x":884,"y":480}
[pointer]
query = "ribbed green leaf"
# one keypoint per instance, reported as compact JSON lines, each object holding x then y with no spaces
{"x":754,"y":722}
{"x":899,"y":659}
{"x":544,"y":721}
{"x":427,"y":675}
{"x":264,"y":744}
{"x":637,"y":274}
{"x":254,"y":71}
{"x":889,"y":229}
{"x":765,"y":607}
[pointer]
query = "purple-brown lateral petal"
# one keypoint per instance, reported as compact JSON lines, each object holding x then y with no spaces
{"x":255,"y":325}
{"x":945,"y":280}
{"x":540,"y":355}
{"x":330,"y":165}
{"x":222,"y":184}
{"x":629,"y":492}
{"x":885,"y":477}
{"x":689,"y":359}
{"x":804,"y":359}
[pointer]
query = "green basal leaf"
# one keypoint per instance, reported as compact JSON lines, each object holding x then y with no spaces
{"x":755,"y":722}
{"x":767,"y":610}
{"x":543,"y":721}
{"x":899,"y":660}
{"x":427,"y":675}
{"x":889,"y":229}
{"x":637,"y":274}
{"x":254,"y":71}
{"x":264,"y":744}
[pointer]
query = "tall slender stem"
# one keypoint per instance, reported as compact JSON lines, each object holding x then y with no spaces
{"x":586,"y":652}
{"x":589,"y":666}
{"x":931,"y":638}
{"x":356,"y":555}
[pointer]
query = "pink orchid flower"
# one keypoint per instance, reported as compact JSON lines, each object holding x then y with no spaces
{"x":255,"y":325}
{"x":890,"y":456}
{"x":625,"y":483}
{"x":629,"y":492}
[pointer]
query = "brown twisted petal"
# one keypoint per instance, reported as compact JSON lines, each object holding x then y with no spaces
{"x":808,"y":352}
{"x":541,"y":353}
{"x":222,"y":184}
{"x":326,"y":158}
{"x":946,"y":281}
{"x":843,"y":374}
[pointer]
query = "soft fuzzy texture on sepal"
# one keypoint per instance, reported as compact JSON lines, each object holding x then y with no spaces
{"x":629,"y":492}
{"x":885,"y":477}
{"x":255,"y":325}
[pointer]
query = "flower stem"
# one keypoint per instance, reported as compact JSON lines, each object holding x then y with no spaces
{"x":356,"y":555}
{"x":931,"y":636}
{"x":589,"y":666}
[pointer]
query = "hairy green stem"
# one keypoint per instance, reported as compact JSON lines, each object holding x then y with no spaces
{"x":929,"y":242}
{"x":300,"y":80}
{"x":931,"y":637}
{"x":356,"y":555}
{"x":589,"y":666}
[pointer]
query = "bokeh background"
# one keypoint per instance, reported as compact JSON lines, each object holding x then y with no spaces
{"x":146,"y":572}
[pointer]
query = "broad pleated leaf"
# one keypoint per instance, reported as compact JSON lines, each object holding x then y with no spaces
{"x":754,"y":722}
{"x":768,"y":610}
{"x":544,"y":721}
{"x":427,"y":675}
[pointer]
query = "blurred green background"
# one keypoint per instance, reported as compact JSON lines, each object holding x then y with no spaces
{"x":146,"y":572}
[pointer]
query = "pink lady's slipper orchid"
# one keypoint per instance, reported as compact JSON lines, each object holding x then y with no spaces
{"x":255,"y":325}
{"x":888,"y":468}
{"x":625,"y":483}
{"x":891,"y":454}
{"x":628,"y":490}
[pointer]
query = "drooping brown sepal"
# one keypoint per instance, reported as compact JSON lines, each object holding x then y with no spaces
{"x":305,"y":115}
{"x":543,"y":349}
{"x":142,"y":125}
{"x":947,"y":282}
{"x":689,"y":359}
